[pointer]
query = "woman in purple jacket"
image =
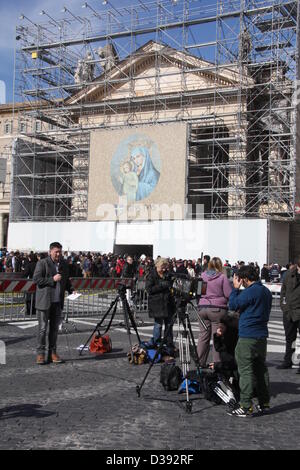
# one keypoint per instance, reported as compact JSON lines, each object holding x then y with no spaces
{"x":213,"y":306}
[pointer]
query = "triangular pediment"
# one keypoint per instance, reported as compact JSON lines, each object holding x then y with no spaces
{"x":178,"y":71}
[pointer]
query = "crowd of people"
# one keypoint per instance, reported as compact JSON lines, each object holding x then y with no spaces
{"x":92,"y":264}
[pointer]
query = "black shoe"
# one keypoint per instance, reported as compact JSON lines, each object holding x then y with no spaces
{"x":298,"y":371}
{"x":285,"y":365}
{"x":240,"y":412}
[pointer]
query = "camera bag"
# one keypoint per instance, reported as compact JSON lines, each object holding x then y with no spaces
{"x":100,"y":344}
{"x":170,"y":376}
{"x":209,"y":381}
{"x":193,"y":386}
{"x":137,"y":355}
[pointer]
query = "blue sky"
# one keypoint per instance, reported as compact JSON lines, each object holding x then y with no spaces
{"x":10,"y":11}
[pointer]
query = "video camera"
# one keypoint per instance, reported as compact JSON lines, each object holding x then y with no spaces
{"x":185,"y":287}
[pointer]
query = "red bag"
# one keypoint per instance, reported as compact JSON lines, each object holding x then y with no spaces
{"x":100,"y":344}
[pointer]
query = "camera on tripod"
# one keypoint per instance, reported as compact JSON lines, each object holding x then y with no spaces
{"x":122,"y":289}
{"x":187,"y":288}
{"x":123,"y":285}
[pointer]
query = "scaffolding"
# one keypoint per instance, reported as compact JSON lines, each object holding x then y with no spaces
{"x":227,"y":68}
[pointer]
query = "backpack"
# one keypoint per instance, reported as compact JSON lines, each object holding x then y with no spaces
{"x":170,"y":376}
{"x":208,"y":382}
{"x":100,"y":344}
{"x":151,"y":355}
{"x":193,"y":387}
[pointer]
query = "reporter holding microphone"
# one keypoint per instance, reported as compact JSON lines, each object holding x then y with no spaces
{"x":51,"y":276}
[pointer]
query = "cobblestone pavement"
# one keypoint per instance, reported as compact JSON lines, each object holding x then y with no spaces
{"x":91,"y":403}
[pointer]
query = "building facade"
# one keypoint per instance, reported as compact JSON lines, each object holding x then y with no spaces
{"x":230,"y":91}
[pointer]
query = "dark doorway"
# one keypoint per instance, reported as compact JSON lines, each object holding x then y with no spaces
{"x":132,"y":250}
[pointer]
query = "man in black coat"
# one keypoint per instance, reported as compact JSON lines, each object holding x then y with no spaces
{"x":290,"y":306}
{"x":129,"y":269}
{"x":31,"y":262}
{"x":161,"y":305}
{"x":51,"y":276}
{"x":265,"y":273}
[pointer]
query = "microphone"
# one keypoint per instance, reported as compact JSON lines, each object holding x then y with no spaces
{"x":59,"y":268}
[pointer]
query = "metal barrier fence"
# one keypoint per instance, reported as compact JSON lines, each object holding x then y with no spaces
{"x":275,"y":288}
{"x":96,"y":296}
{"x":17,"y":298}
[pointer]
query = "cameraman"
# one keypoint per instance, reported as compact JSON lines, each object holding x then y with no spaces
{"x":128,"y":272}
{"x":161,"y":305}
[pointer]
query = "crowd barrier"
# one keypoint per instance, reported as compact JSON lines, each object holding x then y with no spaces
{"x":275,"y":288}
{"x":17,"y":298}
{"x":96,"y":296}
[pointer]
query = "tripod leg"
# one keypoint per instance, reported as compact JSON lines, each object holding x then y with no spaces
{"x":88,"y":341}
{"x":159,"y":349}
{"x":193,"y":347}
{"x":184,"y":357}
{"x":97,"y":327}
{"x":126,"y":321}
{"x":139,"y":387}
{"x":129,"y":315}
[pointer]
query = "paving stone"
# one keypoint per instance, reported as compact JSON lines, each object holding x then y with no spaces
{"x":91,"y":403}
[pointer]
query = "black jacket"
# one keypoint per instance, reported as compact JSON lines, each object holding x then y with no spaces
{"x":160,"y":301}
{"x":128,"y":271}
{"x":265,"y":274}
{"x":290,"y":295}
{"x":29,"y":270}
{"x":225,"y":345}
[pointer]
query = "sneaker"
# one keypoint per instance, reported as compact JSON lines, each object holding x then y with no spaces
{"x":40,"y":360}
{"x":285,"y":365}
{"x":55,"y":359}
{"x":263,"y":409}
{"x":241,"y":412}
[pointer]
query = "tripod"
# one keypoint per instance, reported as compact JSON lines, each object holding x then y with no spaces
{"x":128,"y":319}
{"x":187,"y":346}
{"x":63,"y":327}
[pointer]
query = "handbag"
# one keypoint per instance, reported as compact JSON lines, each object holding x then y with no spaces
{"x":100,"y":344}
{"x":137,"y":356}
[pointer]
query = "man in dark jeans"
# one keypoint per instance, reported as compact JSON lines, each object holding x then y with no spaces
{"x":51,"y":276}
{"x":290,"y":306}
{"x":254,"y":305}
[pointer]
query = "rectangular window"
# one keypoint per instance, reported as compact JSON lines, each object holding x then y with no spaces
{"x":22,"y":127}
{"x":8,"y":128}
{"x":38,"y":126}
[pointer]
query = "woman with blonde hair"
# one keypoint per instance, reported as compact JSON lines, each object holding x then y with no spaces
{"x":161,"y":305}
{"x":213,"y":306}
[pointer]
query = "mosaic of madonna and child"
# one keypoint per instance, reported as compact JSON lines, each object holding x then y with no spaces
{"x":136,"y":167}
